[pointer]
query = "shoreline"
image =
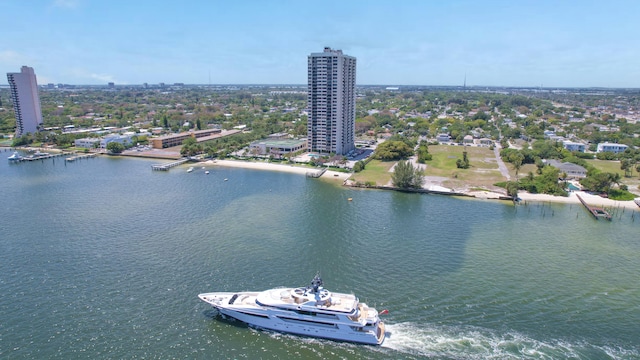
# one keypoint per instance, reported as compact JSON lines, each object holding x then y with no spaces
{"x":593,"y":200}
{"x":277,"y":167}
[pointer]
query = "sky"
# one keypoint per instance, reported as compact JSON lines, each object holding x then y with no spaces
{"x":401,"y":42}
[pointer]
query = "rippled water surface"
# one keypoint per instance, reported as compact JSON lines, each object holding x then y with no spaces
{"x":104,"y":258}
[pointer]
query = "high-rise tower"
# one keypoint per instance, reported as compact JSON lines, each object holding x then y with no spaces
{"x":331,"y":102}
{"x":26,"y":102}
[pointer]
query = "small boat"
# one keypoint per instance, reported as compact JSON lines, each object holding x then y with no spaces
{"x":15,"y":157}
{"x":190,"y":169}
{"x":308,"y":311}
{"x":637,"y":201}
{"x":225,"y":179}
{"x":207,"y":172}
{"x":39,"y":154}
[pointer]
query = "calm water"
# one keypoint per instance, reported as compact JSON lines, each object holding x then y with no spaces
{"x":103,"y":258}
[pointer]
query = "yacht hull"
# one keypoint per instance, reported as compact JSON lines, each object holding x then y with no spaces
{"x":242,"y":307}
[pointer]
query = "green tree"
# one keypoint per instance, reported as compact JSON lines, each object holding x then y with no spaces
{"x":464,"y":162}
{"x":423,"y":153}
{"x":512,"y":189}
{"x":406,"y":176}
{"x":627,"y":166}
{"x":600,"y":182}
{"x":516,"y":159}
{"x":393,"y":150}
{"x":115,"y":147}
{"x":358,"y":166}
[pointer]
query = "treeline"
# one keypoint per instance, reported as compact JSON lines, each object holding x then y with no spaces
{"x":550,"y":180}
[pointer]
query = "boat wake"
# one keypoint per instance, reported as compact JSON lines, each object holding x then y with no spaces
{"x":477,"y":343}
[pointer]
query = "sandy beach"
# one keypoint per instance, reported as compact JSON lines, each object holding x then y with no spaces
{"x":277,"y":167}
{"x":593,"y":200}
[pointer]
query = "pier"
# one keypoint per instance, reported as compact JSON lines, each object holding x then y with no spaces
{"x":167,"y":166}
{"x":39,"y":157}
{"x":316,"y":174}
{"x":595,"y":211}
{"x":78,"y":157}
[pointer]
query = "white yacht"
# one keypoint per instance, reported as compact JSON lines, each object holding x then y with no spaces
{"x":637,"y":201}
{"x":309,"y":311}
{"x":190,"y":169}
{"x":15,"y":157}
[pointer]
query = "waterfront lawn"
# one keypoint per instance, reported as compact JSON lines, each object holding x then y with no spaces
{"x":613,"y":166}
{"x":610,"y":166}
{"x":524,"y":170}
{"x":375,"y":171}
{"x":483,"y":172}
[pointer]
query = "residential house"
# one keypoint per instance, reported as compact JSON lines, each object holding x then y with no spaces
{"x":611,"y":147}
{"x":572,"y":170}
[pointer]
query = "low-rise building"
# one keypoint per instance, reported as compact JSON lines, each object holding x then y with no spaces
{"x":611,"y":147}
{"x":122,"y":139}
{"x":87,"y":143}
{"x":484,"y":142}
{"x":573,"y":171}
{"x":443,"y":138}
{"x":177,"y":139}
{"x":574,"y":146}
{"x":276,"y":147}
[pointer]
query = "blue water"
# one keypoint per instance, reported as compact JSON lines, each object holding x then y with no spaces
{"x":104,"y":258}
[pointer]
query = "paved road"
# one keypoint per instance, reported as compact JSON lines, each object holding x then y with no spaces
{"x":501,"y":165}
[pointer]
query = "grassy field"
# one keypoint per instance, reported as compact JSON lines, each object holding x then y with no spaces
{"x":376,"y":171}
{"x":612,"y":166}
{"x":483,"y":172}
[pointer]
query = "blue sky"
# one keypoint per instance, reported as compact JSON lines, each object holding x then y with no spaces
{"x":401,"y":42}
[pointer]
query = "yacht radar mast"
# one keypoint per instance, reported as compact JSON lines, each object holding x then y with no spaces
{"x":316,"y":283}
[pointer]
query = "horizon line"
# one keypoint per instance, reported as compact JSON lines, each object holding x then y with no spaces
{"x":361,"y":85}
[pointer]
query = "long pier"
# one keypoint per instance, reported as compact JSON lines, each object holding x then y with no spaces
{"x":39,"y":157}
{"x":595,"y":211}
{"x":82,"y":156}
{"x":167,"y":166}
{"x":316,"y":174}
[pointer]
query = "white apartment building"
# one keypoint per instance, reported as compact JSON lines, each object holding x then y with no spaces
{"x":574,"y":146}
{"x":122,"y":139}
{"x":611,"y":147}
{"x":26,"y":101}
{"x":88,"y":143}
{"x":331,"y":102}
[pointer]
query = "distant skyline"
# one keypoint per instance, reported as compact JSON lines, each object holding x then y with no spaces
{"x":495,"y":43}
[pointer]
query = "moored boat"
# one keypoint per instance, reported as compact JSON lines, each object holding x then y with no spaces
{"x":15,"y":157}
{"x":308,"y":311}
{"x":637,"y":201}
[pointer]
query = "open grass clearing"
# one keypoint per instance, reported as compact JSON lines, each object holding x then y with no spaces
{"x":375,"y":171}
{"x":483,"y":172}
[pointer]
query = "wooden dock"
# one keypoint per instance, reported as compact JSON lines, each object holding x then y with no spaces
{"x":39,"y":157}
{"x":167,"y":166}
{"x":316,"y":174}
{"x":82,"y":156}
{"x":595,"y":211}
